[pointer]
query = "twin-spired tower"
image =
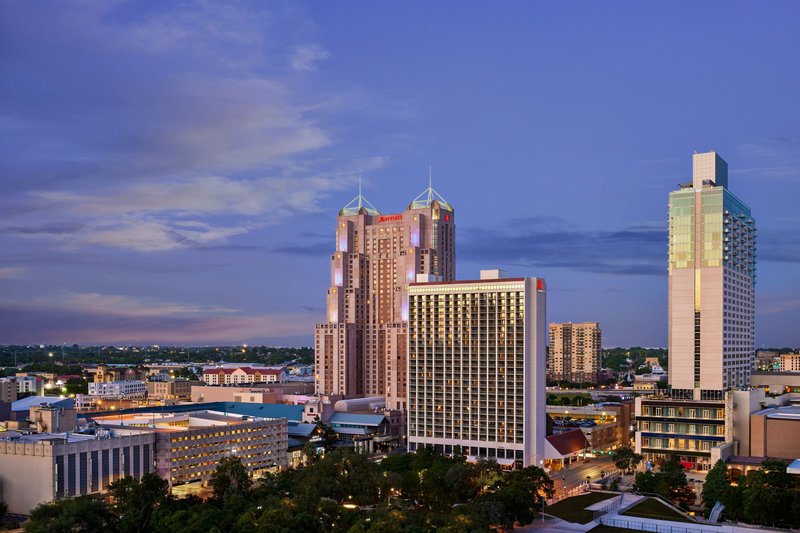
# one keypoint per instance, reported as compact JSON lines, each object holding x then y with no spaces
{"x":361,"y":349}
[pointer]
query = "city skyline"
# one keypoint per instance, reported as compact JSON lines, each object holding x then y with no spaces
{"x":173,"y":173}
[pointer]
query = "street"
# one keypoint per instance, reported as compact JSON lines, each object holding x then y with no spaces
{"x":576,"y":473}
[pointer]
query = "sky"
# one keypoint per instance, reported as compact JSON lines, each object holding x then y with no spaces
{"x":170,"y":172}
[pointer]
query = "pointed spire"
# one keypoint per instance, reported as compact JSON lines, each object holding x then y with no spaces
{"x":358,"y":203}
{"x":429,"y":195}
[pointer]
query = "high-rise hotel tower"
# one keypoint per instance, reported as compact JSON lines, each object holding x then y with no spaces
{"x":712,"y":276}
{"x":712,"y":240}
{"x":361,"y":349}
{"x":476,"y":367}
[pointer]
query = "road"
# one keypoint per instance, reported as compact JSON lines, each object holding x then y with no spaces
{"x":576,"y":473}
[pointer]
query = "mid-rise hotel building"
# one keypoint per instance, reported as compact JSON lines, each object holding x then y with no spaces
{"x":476,"y":367}
{"x":711,"y":332}
{"x":361,"y":349}
{"x":576,"y":352}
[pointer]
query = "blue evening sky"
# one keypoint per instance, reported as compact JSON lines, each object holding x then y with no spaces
{"x":170,"y":171}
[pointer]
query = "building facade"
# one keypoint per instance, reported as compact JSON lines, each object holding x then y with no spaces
{"x":361,"y":349}
{"x":712,"y":276}
{"x":711,"y":331}
{"x":171,"y":390}
{"x":790,"y":362}
{"x":41,"y":467}
{"x":476,"y":367}
{"x":190,"y":445}
{"x":575,"y":352}
{"x":118,"y":389}
{"x":8,"y":390}
{"x":243,"y":375}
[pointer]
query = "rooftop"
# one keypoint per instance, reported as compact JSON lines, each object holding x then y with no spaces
{"x":568,"y":442}
{"x":35,"y":401}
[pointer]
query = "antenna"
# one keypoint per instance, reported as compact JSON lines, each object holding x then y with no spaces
{"x":360,"y":197}
{"x":430,"y":182}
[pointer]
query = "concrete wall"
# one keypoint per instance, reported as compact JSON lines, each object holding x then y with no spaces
{"x":25,"y":480}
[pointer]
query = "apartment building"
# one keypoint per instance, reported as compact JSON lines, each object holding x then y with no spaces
{"x":575,"y":353}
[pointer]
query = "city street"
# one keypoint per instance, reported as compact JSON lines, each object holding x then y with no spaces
{"x":576,"y":473}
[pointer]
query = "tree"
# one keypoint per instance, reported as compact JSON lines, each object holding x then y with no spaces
{"x":329,"y":436}
{"x":672,"y":482}
{"x":716,"y":485}
{"x":310,"y":451}
{"x":626,"y":459}
{"x":3,"y":510}
{"x":135,"y":502}
{"x":230,"y":477}
{"x":84,"y":514}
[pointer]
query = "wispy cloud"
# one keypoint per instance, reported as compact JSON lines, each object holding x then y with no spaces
{"x":12,"y":272}
{"x":306,"y":57}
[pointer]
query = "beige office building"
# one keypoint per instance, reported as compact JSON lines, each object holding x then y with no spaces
{"x":576,"y":352}
{"x":712,"y":278}
{"x":476,"y":367}
{"x":361,"y":349}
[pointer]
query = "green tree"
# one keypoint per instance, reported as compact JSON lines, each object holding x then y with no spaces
{"x":84,"y":514}
{"x":626,"y":459}
{"x":230,"y":477}
{"x":135,"y":502}
{"x":716,"y":485}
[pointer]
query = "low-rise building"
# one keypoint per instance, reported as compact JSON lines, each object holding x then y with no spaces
{"x":563,"y":448}
{"x":118,"y":389}
{"x":171,"y":390}
{"x":775,"y":432}
{"x":41,"y":467}
{"x":605,"y":425}
{"x":649,"y":382}
{"x":776,"y":382}
{"x":686,"y":428}
{"x":189,"y":445}
{"x":243,"y":375}
{"x":290,"y":392}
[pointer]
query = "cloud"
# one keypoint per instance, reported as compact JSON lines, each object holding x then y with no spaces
{"x":306,"y":57}
{"x":108,"y":318}
{"x":118,"y":305}
{"x":12,"y":272}
{"x":551,"y":242}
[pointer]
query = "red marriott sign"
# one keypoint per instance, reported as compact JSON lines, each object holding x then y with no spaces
{"x":390,"y":218}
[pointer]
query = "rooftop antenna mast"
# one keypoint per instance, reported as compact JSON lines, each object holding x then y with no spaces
{"x":430,"y":183}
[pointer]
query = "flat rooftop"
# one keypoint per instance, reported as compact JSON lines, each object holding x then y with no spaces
{"x":174,"y":422}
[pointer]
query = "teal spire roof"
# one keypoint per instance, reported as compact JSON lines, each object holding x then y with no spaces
{"x":429,"y":196}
